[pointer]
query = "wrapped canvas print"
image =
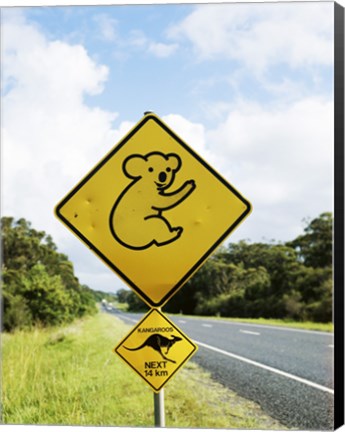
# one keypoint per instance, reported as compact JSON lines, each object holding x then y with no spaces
{"x":195,"y":154}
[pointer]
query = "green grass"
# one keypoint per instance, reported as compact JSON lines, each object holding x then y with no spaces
{"x":70,"y":376}
{"x":303,"y":325}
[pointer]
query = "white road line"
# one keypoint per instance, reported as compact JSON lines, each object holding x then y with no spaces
{"x":273,"y":327}
{"x":250,"y":332}
{"x":182,"y":322}
{"x":207,"y":325}
{"x":331,"y":346}
{"x":271,"y":369}
{"x":129,"y":319}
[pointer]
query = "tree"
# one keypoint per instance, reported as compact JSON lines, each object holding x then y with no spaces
{"x":290,"y":280}
{"x":48,"y":300}
{"x":209,"y":281}
{"x":135,"y":303}
{"x":20,"y":243}
{"x":314,"y":248}
{"x":39,"y":285}
{"x":15,"y":311}
{"x":122,"y":295}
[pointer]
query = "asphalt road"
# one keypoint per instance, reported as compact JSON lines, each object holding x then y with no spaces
{"x":288,"y":372}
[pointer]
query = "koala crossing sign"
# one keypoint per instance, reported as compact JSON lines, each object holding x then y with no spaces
{"x":153,"y":210}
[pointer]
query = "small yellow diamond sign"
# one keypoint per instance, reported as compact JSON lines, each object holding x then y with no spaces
{"x":153,"y":210}
{"x":155,"y":349}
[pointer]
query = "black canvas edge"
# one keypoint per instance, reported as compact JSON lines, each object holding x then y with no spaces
{"x":195,"y":348}
{"x":338,"y":229}
{"x":204,"y":257}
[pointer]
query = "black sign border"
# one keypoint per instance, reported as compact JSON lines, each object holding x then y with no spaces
{"x":195,"y":348}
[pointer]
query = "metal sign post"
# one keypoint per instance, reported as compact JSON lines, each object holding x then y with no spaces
{"x":158,"y":405}
{"x":159,"y":409}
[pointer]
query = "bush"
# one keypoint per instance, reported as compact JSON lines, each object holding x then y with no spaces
{"x":39,"y":285}
{"x":15,"y":312}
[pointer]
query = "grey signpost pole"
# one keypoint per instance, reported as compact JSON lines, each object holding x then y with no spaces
{"x":159,"y":409}
{"x":158,"y":403}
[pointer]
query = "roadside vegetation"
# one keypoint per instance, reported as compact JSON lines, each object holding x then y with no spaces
{"x":57,"y":361}
{"x":290,"y":281}
{"x":38,"y":283}
{"x":69,"y":376}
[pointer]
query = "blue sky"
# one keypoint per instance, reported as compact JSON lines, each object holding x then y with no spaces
{"x":123,"y":37}
{"x":248,"y":86}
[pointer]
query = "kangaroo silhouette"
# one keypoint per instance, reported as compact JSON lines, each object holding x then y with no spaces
{"x":157,"y":342}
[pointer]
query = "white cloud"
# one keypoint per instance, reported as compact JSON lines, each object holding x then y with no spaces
{"x":49,"y":135}
{"x":107,"y":27}
{"x":261,"y":35}
{"x":188,"y":131}
{"x":157,"y":49}
{"x":281,"y":159}
{"x":162,"y":50}
{"x":138,"y":40}
{"x":301,"y":132}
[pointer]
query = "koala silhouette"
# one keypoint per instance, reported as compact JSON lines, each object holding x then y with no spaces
{"x":136,"y":220}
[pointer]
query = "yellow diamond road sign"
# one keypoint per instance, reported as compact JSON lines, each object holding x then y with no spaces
{"x":155,"y":349}
{"x":153,"y":210}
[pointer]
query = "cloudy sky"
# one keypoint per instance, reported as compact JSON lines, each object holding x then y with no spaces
{"x":248,"y":86}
